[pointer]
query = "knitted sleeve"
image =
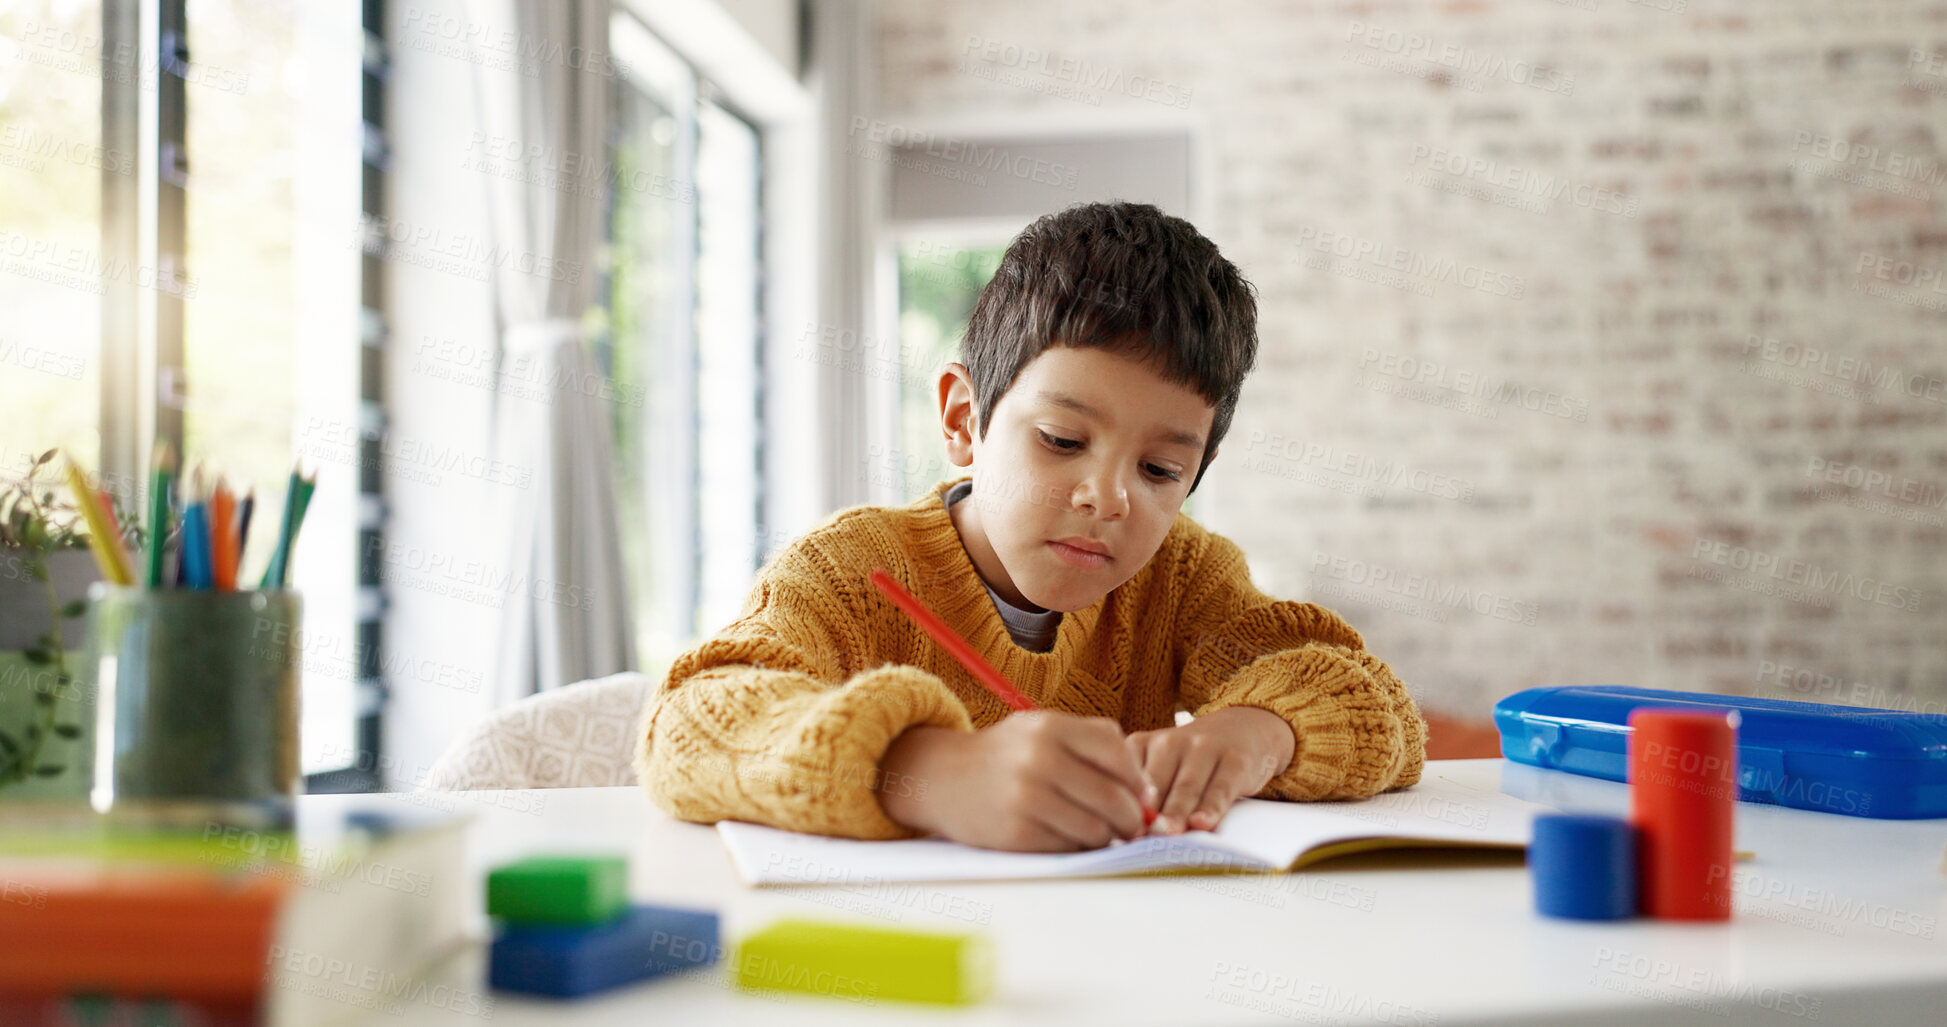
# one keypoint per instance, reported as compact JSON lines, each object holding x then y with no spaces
{"x":1358,"y":731}
{"x":778,"y":720}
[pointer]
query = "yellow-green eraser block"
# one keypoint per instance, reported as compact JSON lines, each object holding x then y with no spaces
{"x":864,"y":964}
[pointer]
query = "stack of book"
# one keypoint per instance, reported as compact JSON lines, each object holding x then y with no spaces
{"x":351,"y":914}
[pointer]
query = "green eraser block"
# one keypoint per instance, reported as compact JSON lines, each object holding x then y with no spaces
{"x":865,"y":964}
{"x":560,"y":890}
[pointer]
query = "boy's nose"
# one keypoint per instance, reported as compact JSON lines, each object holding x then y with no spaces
{"x":1102,"y":494}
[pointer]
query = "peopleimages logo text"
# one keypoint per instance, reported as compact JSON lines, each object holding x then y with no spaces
{"x":1077,"y":71}
{"x":1809,"y":575}
{"x":1490,"y":172}
{"x":1855,"y":370}
{"x":996,"y":159}
{"x":1346,"y":246}
{"x":1463,"y":59}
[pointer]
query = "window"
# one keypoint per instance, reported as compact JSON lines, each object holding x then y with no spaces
{"x":272,"y":141}
{"x":51,"y":160}
{"x":938,"y":284}
{"x":729,"y":401}
{"x":681,"y":340}
{"x":245,"y":160}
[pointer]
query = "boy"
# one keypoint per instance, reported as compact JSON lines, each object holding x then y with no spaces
{"x":1103,"y":364}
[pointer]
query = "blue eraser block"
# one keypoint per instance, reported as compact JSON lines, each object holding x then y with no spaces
{"x":569,"y":962}
{"x":1584,"y":867}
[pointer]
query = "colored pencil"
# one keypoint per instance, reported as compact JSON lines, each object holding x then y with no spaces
{"x":107,"y":507}
{"x":951,"y":641}
{"x":968,"y":656}
{"x":243,"y":524}
{"x":103,"y":540}
{"x":117,"y":544}
{"x":196,"y":534}
{"x":162,"y":469}
{"x":223,"y":538}
{"x":196,"y":547}
{"x":274,"y":571}
{"x":297,"y":497}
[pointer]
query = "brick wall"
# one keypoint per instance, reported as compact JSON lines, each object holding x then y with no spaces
{"x":1602,"y":342}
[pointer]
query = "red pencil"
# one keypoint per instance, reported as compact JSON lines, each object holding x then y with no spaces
{"x":982,"y":671}
{"x":969,"y":658}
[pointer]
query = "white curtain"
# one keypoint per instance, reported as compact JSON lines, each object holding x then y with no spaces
{"x":570,"y":620}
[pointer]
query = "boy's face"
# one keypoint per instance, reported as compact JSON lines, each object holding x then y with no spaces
{"x":1088,"y":447}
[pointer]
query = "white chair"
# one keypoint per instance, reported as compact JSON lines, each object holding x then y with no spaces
{"x":581,"y":736}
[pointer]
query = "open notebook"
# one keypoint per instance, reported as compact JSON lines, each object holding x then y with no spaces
{"x":1257,"y":835}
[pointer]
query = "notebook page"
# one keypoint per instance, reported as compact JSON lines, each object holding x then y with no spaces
{"x":1437,"y":808}
{"x":767,"y":855}
{"x":1256,"y":835}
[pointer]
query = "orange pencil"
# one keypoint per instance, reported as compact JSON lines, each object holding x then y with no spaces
{"x":113,"y":540}
{"x":969,"y":657}
{"x":223,"y":537}
{"x":108,"y":513}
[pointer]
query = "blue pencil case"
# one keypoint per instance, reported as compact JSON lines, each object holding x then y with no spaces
{"x":1856,"y":761}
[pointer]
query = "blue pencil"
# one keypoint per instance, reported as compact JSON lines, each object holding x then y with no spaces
{"x":196,"y":547}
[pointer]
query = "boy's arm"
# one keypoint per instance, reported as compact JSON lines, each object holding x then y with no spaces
{"x":767,"y":722}
{"x":1357,"y":730}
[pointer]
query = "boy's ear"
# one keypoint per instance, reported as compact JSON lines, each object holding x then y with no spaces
{"x":957,"y":413}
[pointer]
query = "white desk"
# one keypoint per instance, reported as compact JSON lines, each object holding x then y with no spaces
{"x":1838,"y":922}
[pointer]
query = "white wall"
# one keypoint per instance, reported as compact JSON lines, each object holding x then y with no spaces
{"x":773,"y":24}
{"x":1573,"y":317}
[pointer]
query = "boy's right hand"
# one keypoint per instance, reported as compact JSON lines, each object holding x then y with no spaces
{"x":1041,"y":781}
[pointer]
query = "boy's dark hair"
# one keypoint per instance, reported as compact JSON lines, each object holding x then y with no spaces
{"x":1120,"y":276}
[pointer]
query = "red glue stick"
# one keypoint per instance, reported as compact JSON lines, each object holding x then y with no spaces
{"x":1682,"y":795}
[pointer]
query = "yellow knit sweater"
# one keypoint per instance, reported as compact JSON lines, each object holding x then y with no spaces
{"x":782,"y":718}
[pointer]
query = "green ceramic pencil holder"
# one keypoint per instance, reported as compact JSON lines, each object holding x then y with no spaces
{"x":196,"y":701}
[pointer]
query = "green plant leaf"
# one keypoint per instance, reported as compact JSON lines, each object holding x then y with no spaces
{"x":37,"y":655}
{"x":33,"y":733}
{"x":49,"y":770}
{"x":74,"y":609}
{"x":43,"y":699}
{"x":68,"y":730}
{"x":44,"y":458}
{"x":7,"y":742}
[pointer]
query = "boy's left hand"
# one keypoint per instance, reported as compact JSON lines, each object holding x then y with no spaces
{"x":1202,"y":767}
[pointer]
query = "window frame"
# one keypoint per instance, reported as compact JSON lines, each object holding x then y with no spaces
{"x":142,"y":346}
{"x":670,"y":81}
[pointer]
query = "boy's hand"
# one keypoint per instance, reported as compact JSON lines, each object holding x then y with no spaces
{"x":1041,"y":781}
{"x":1206,"y":765}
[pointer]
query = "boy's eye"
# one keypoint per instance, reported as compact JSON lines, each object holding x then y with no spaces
{"x":1162,"y":472}
{"x":1071,"y":445}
